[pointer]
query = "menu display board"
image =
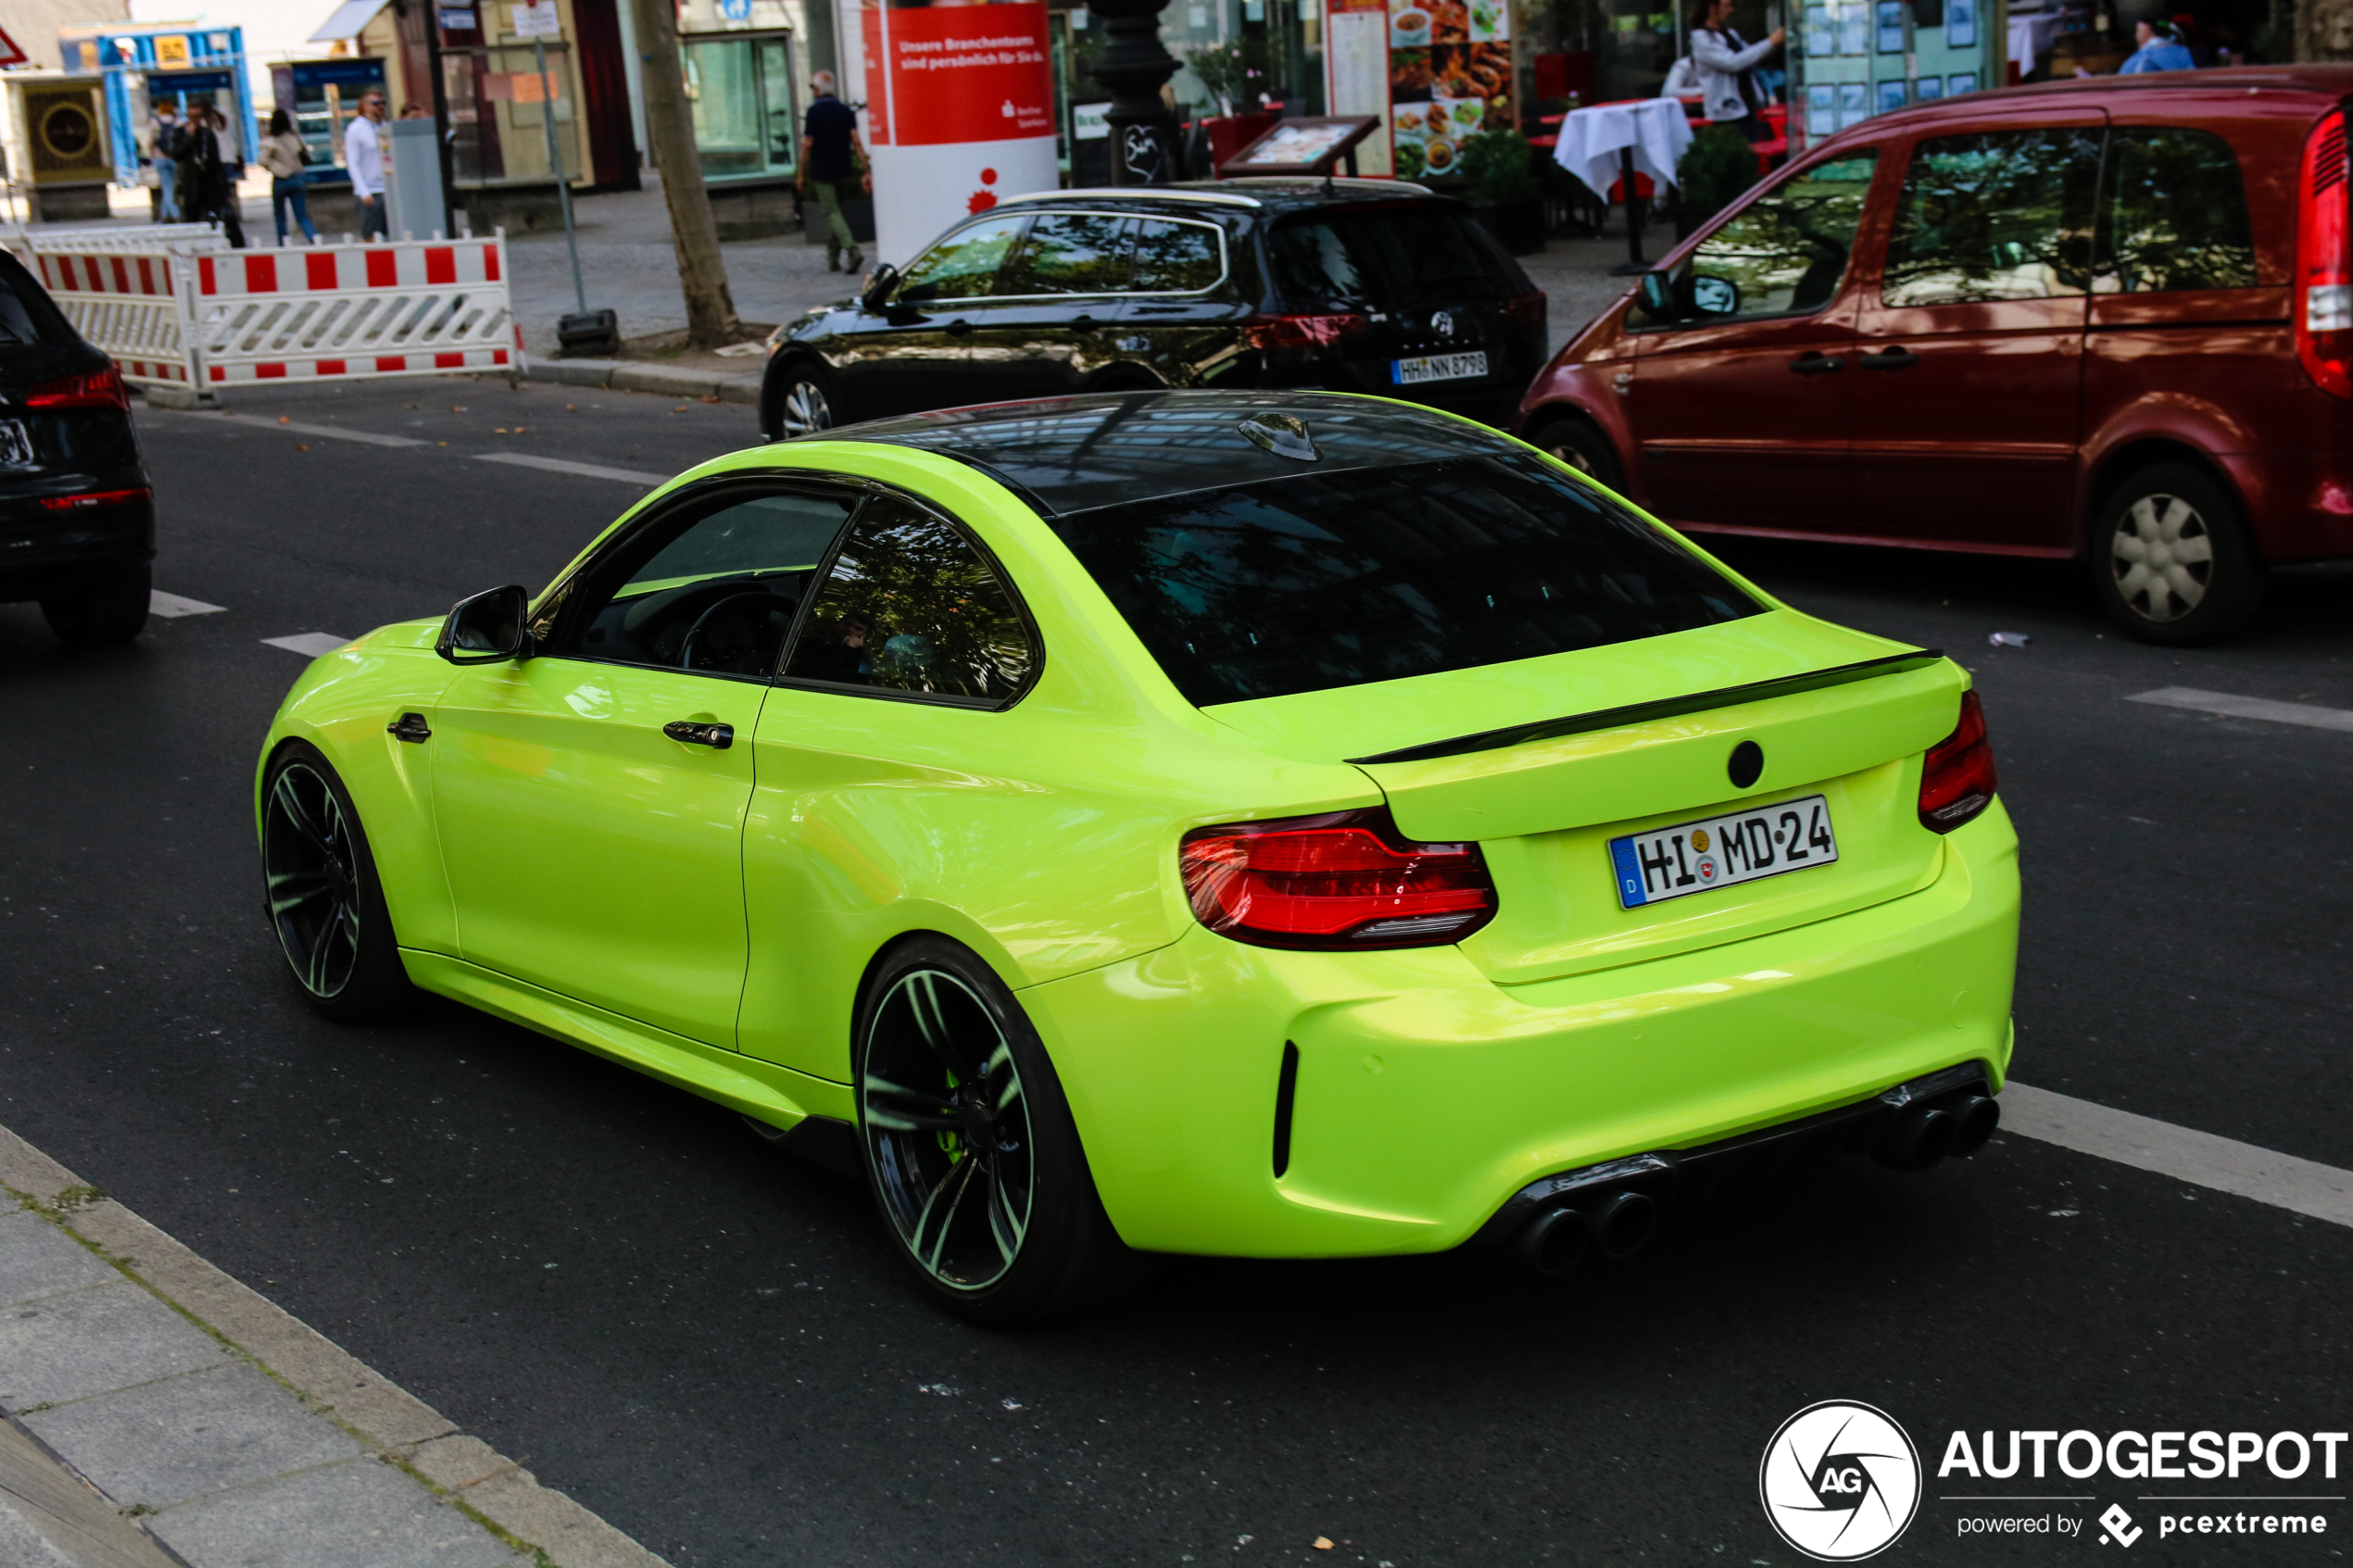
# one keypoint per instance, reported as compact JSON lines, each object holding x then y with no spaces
{"x":1446,"y":66}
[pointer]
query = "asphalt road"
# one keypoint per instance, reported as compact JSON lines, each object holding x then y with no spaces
{"x":709,"y":1345}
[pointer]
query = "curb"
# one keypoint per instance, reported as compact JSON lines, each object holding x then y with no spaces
{"x":637,"y":375}
{"x":386,"y":1420}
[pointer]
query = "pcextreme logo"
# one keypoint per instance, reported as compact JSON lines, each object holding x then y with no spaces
{"x":1840,"y":1480}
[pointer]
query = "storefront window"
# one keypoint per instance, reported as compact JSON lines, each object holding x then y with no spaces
{"x":497,"y":107}
{"x":740,"y":89}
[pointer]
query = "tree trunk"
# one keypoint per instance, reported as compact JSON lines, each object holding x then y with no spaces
{"x":702,"y":272}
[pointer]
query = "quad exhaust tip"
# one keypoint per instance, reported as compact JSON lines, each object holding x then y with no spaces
{"x":1615,"y":1227}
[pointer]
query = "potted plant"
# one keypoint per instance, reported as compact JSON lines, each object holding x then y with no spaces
{"x":1499,"y":180}
{"x":1716,"y":170}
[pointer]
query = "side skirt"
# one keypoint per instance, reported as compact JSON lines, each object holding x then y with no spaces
{"x":761,"y":1090}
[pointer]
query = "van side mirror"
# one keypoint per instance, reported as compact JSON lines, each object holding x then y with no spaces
{"x":878,"y":287}
{"x":487,"y":628}
{"x":1658,"y":295}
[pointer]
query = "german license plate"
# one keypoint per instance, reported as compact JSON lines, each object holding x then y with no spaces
{"x":16,"y":446}
{"x":1664,"y":863}
{"x":1436,"y":367}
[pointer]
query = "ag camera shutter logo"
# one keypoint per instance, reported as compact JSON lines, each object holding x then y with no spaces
{"x":1840,"y":1480}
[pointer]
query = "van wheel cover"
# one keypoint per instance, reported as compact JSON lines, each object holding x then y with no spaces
{"x":2163,"y":557}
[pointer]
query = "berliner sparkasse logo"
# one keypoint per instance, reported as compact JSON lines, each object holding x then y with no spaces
{"x":1840,"y":1480}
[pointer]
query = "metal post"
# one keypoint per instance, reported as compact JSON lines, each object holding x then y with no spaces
{"x":441,"y":119}
{"x":1633,"y":263}
{"x":555,"y":162}
{"x":1134,"y":66}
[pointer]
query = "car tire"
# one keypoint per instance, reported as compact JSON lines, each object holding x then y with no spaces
{"x":101,"y":613}
{"x":800,"y":399}
{"x":322,"y":896}
{"x":947,"y":1065}
{"x":2173,"y":558}
{"x":1575,"y":441}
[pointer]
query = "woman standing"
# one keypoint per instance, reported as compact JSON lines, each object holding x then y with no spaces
{"x":1726,"y":64}
{"x":214,"y":196}
{"x":284,"y":155}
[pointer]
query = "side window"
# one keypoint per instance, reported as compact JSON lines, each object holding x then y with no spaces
{"x":962,"y":266}
{"x":1785,"y":256}
{"x":1999,"y":215}
{"x":913,"y":605}
{"x":2176,"y":214}
{"x":710,"y":590}
{"x":1071,"y":253}
{"x":1175,"y":257}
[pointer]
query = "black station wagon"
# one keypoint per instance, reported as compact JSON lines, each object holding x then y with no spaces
{"x":1347,"y":285}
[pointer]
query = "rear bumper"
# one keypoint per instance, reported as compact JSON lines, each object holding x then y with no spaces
{"x":44,"y":551}
{"x":1426,"y":1096}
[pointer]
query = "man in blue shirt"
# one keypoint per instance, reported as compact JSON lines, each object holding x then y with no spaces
{"x":2160,"y":49}
{"x":830,"y":155}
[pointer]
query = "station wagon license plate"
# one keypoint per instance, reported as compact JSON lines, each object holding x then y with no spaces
{"x":16,"y":446}
{"x":1436,"y":367}
{"x":1672,"y":863}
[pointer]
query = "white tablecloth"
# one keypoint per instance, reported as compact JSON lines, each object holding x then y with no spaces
{"x":1654,"y":128}
{"x":2030,"y":33}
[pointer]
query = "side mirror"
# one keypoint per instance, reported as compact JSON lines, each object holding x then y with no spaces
{"x":1658,"y":294}
{"x":878,"y":283}
{"x":487,"y":628}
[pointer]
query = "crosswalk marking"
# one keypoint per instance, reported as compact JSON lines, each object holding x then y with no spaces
{"x":171,"y":607}
{"x":564,"y":465}
{"x":311,"y":645}
{"x":2232,"y":706}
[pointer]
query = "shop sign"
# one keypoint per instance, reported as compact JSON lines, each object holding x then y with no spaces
{"x":537,"y":19}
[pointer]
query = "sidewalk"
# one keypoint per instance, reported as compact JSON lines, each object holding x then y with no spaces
{"x":156,"y":1414}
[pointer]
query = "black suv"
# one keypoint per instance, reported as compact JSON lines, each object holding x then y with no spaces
{"x":1349,"y":285}
{"x":77,"y":517}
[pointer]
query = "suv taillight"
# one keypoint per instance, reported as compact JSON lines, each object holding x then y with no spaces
{"x":1528,"y":310}
{"x":1346,"y":880}
{"x":1302,"y":331}
{"x":2323,"y":303}
{"x":100,"y":389}
{"x":1957,"y":777}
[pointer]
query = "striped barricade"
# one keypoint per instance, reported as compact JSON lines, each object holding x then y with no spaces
{"x":388,"y":309}
{"x":134,"y":304}
{"x":30,"y":242}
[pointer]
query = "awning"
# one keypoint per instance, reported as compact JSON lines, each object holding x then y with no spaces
{"x":349,"y":18}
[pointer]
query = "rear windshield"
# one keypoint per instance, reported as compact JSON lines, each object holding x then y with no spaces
{"x":27,"y":316}
{"x":1391,"y":258}
{"x":1315,"y":581}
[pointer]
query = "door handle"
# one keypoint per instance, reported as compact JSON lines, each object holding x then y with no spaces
{"x":1812,"y":363}
{"x":411,"y":727}
{"x":959,"y":326}
{"x":718,"y":738}
{"x":1889,"y":359}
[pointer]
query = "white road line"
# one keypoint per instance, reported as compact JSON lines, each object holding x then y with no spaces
{"x":296,"y":427}
{"x":171,"y":607}
{"x":311,"y":645}
{"x":2302,"y":1187}
{"x":2248,"y":707}
{"x":562,"y":465}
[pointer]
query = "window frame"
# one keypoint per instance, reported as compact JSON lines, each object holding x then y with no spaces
{"x":1854,"y":276}
{"x":876,"y":491}
{"x":561,"y":641}
{"x":1021,"y":242}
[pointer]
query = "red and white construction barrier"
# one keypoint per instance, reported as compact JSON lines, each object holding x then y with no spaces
{"x":220,"y":317}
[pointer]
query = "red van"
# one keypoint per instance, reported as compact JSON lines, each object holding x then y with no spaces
{"x":2105,"y":320}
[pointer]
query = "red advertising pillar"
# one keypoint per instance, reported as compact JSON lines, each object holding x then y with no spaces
{"x":960,"y":115}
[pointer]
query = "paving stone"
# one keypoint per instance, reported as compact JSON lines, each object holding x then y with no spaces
{"x":183,"y":1436}
{"x":37,"y":1258}
{"x":458,"y":1461}
{"x":362,"y":1514}
{"x":107,"y":1337}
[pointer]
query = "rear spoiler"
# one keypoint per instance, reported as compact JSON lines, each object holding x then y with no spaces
{"x":1666,"y":708}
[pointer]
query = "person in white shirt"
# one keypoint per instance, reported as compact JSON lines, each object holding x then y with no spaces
{"x":363,"y":155}
{"x":1725,"y":62}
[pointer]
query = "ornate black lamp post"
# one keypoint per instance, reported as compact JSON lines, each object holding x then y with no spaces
{"x":1134,"y":67}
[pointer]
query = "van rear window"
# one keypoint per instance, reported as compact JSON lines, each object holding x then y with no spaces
{"x":1315,"y":581}
{"x":1394,"y":257}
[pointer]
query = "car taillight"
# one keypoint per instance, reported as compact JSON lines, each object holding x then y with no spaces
{"x":100,"y":389}
{"x":1302,"y":331}
{"x":1528,"y":310}
{"x":2324,"y":305}
{"x":96,"y":498}
{"x":1957,"y":777}
{"x":1346,"y":880}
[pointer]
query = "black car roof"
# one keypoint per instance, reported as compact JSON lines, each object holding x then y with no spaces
{"x":1067,"y":455}
{"x":1267,"y":195}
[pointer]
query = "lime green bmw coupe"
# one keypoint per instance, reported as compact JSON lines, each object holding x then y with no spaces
{"x":1290,"y":826}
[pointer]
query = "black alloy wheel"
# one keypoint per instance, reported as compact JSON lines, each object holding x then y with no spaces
{"x":804,"y":404}
{"x":1575,"y":440}
{"x":323,"y":900}
{"x":970,"y":1147}
{"x":111,"y":610}
{"x":2173,"y":558}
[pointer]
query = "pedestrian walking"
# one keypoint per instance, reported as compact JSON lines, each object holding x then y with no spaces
{"x":363,"y":155}
{"x":2161,"y":49}
{"x":284,"y":155}
{"x":1727,"y":65}
{"x":831,"y":157}
{"x":168,"y":145}
{"x":209,"y":192}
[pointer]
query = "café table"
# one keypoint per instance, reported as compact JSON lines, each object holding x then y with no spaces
{"x":1620,"y":140}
